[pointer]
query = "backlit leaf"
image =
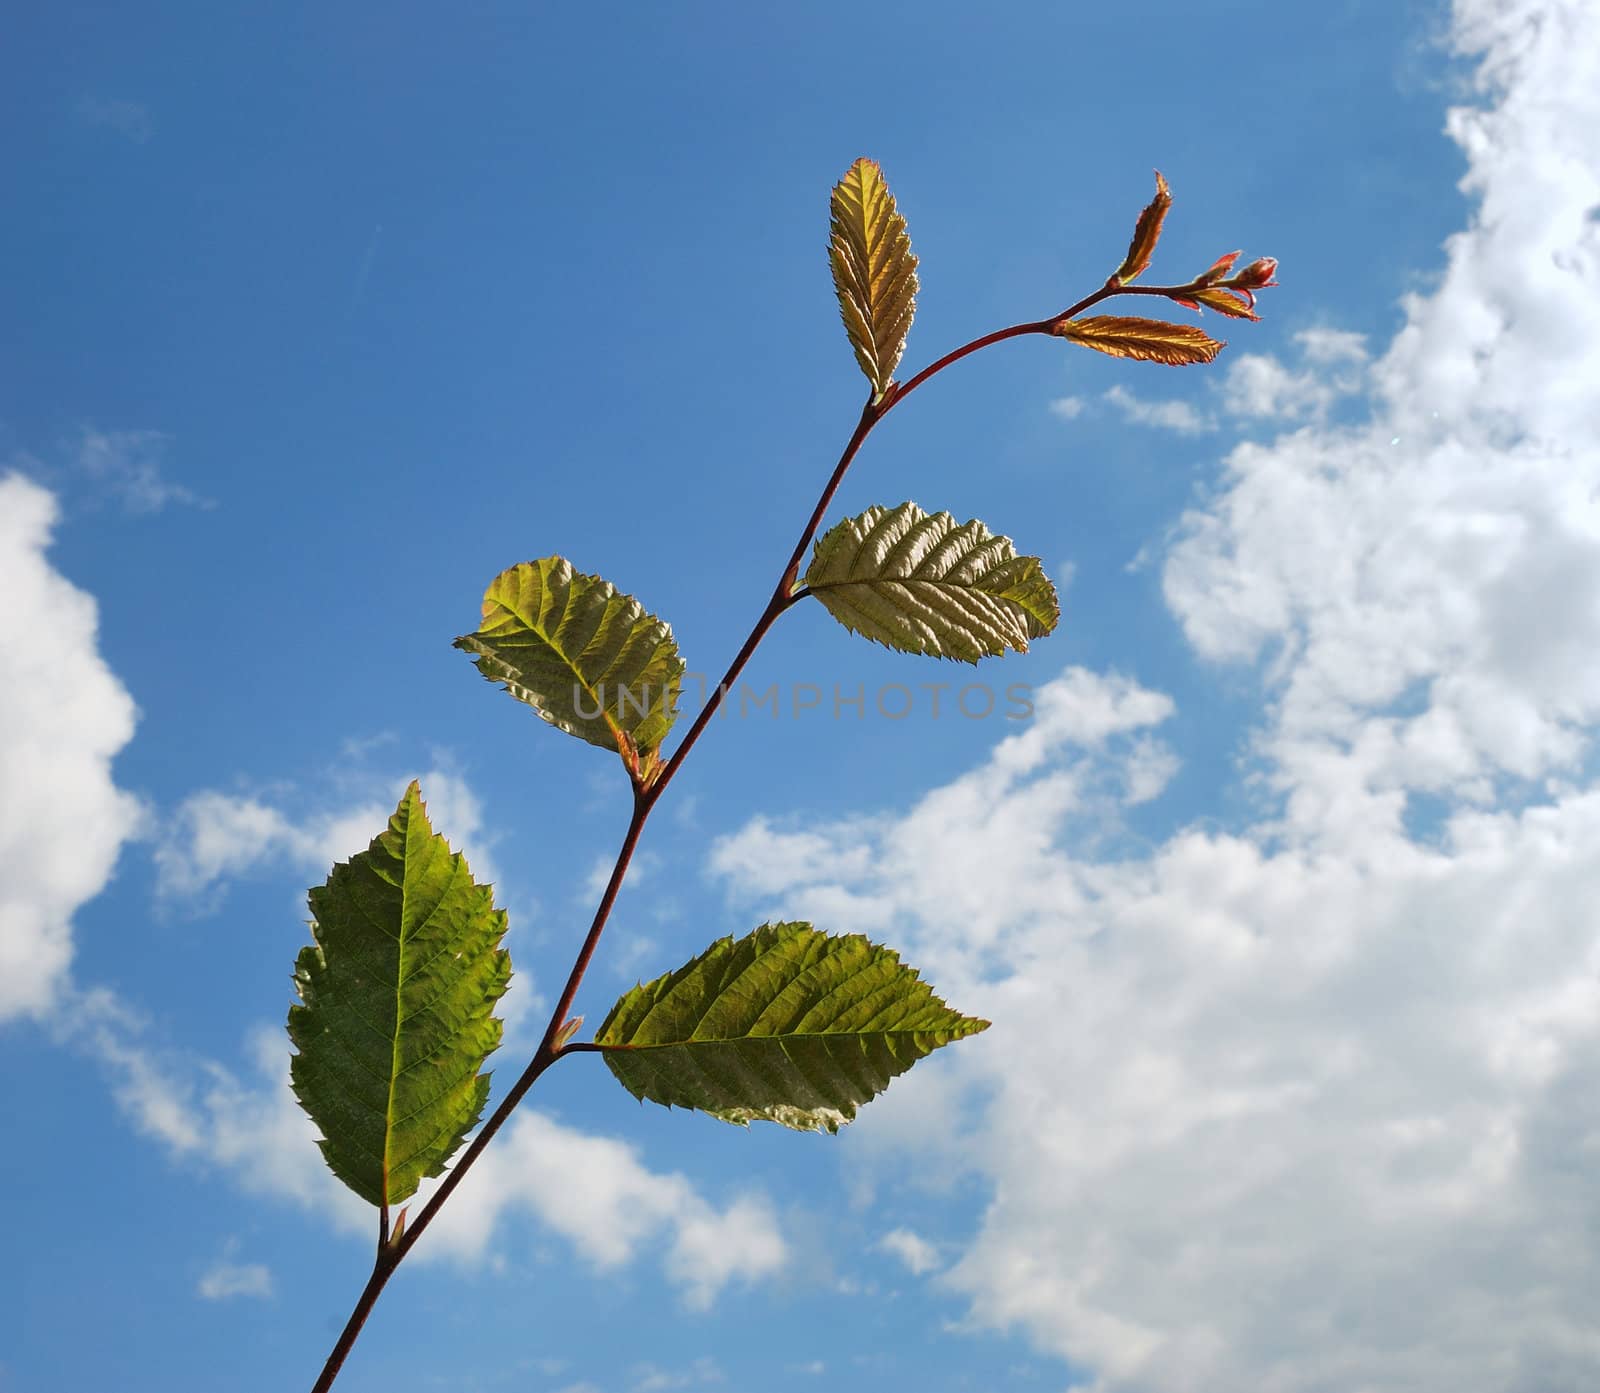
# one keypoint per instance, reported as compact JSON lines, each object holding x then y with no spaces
{"x":786,"y":1025}
{"x":874,"y":271}
{"x":1236,"y":304}
{"x":1219,"y":269}
{"x":922,"y":583}
{"x":396,"y":1018}
{"x":1148,"y":340}
{"x":1146,"y":233}
{"x":586,"y":657}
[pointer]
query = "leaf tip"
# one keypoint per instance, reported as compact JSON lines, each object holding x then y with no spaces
{"x":1146,"y":233}
{"x":861,"y":166}
{"x":874,"y":271}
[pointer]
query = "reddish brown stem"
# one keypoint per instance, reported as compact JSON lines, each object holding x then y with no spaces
{"x":390,"y":1255}
{"x":901,"y":390}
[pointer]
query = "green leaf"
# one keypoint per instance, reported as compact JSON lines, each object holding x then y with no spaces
{"x":586,"y":657}
{"x":874,"y":271}
{"x":396,"y":1016}
{"x":920,"y":583}
{"x":786,"y":1025}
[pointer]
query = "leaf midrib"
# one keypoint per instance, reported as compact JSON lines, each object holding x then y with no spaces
{"x":780,"y":1039}
{"x":409,"y":854}
{"x":547,"y":636}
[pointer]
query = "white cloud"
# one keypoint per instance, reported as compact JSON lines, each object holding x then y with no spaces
{"x":1257,"y":385}
{"x":205,"y":1114}
{"x":1326,"y":1079}
{"x":215,"y":837}
{"x":596,"y":1193}
{"x":710,"y":1248}
{"x":123,"y":467}
{"x":127,"y":465}
{"x":591,"y":1190}
{"x":64,"y":716}
{"x":1449,"y":551}
{"x":918,"y":1256}
{"x":704,"y":1372}
{"x":1336,"y":347}
{"x":1248,"y":1095}
{"x":1261,"y":387}
{"x":1068,"y":408}
{"x":110,"y":1031}
{"x":224,"y":1279}
{"x":642,"y":867}
{"x":1179,"y":416}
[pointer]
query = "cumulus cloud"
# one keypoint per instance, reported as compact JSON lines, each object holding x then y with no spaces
{"x":1310,"y":1103}
{"x":1179,"y":416}
{"x":64,"y":716}
{"x":215,"y":837}
{"x":204,"y":1114}
{"x":1325,"y":1079}
{"x":1446,"y":552}
{"x":224,"y":1280}
{"x":591,"y":1190}
{"x":596,"y":1193}
{"x":917,"y":1255}
{"x":1331,"y":365}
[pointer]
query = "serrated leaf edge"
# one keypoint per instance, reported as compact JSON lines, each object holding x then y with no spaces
{"x":1143,"y":340}
{"x":659,"y":991}
{"x":874,"y":271}
{"x":639,"y":623}
{"x":990,"y":619}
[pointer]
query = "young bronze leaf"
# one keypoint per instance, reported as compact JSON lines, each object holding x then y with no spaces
{"x":922,"y":583}
{"x":874,"y":271}
{"x":396,"y":1007}
{"x":586,"y":657}
{"x":1148,"y":340}
{"x":1218,"y":270}
{"x":1146,"y":233}
{"x":786,"y":1025}
{"x":1236,"y":304}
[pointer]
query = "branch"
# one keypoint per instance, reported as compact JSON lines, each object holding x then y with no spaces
{"x":390,"y":1255}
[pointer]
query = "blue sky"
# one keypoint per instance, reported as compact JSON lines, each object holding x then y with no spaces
{"x":319,"y":318}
